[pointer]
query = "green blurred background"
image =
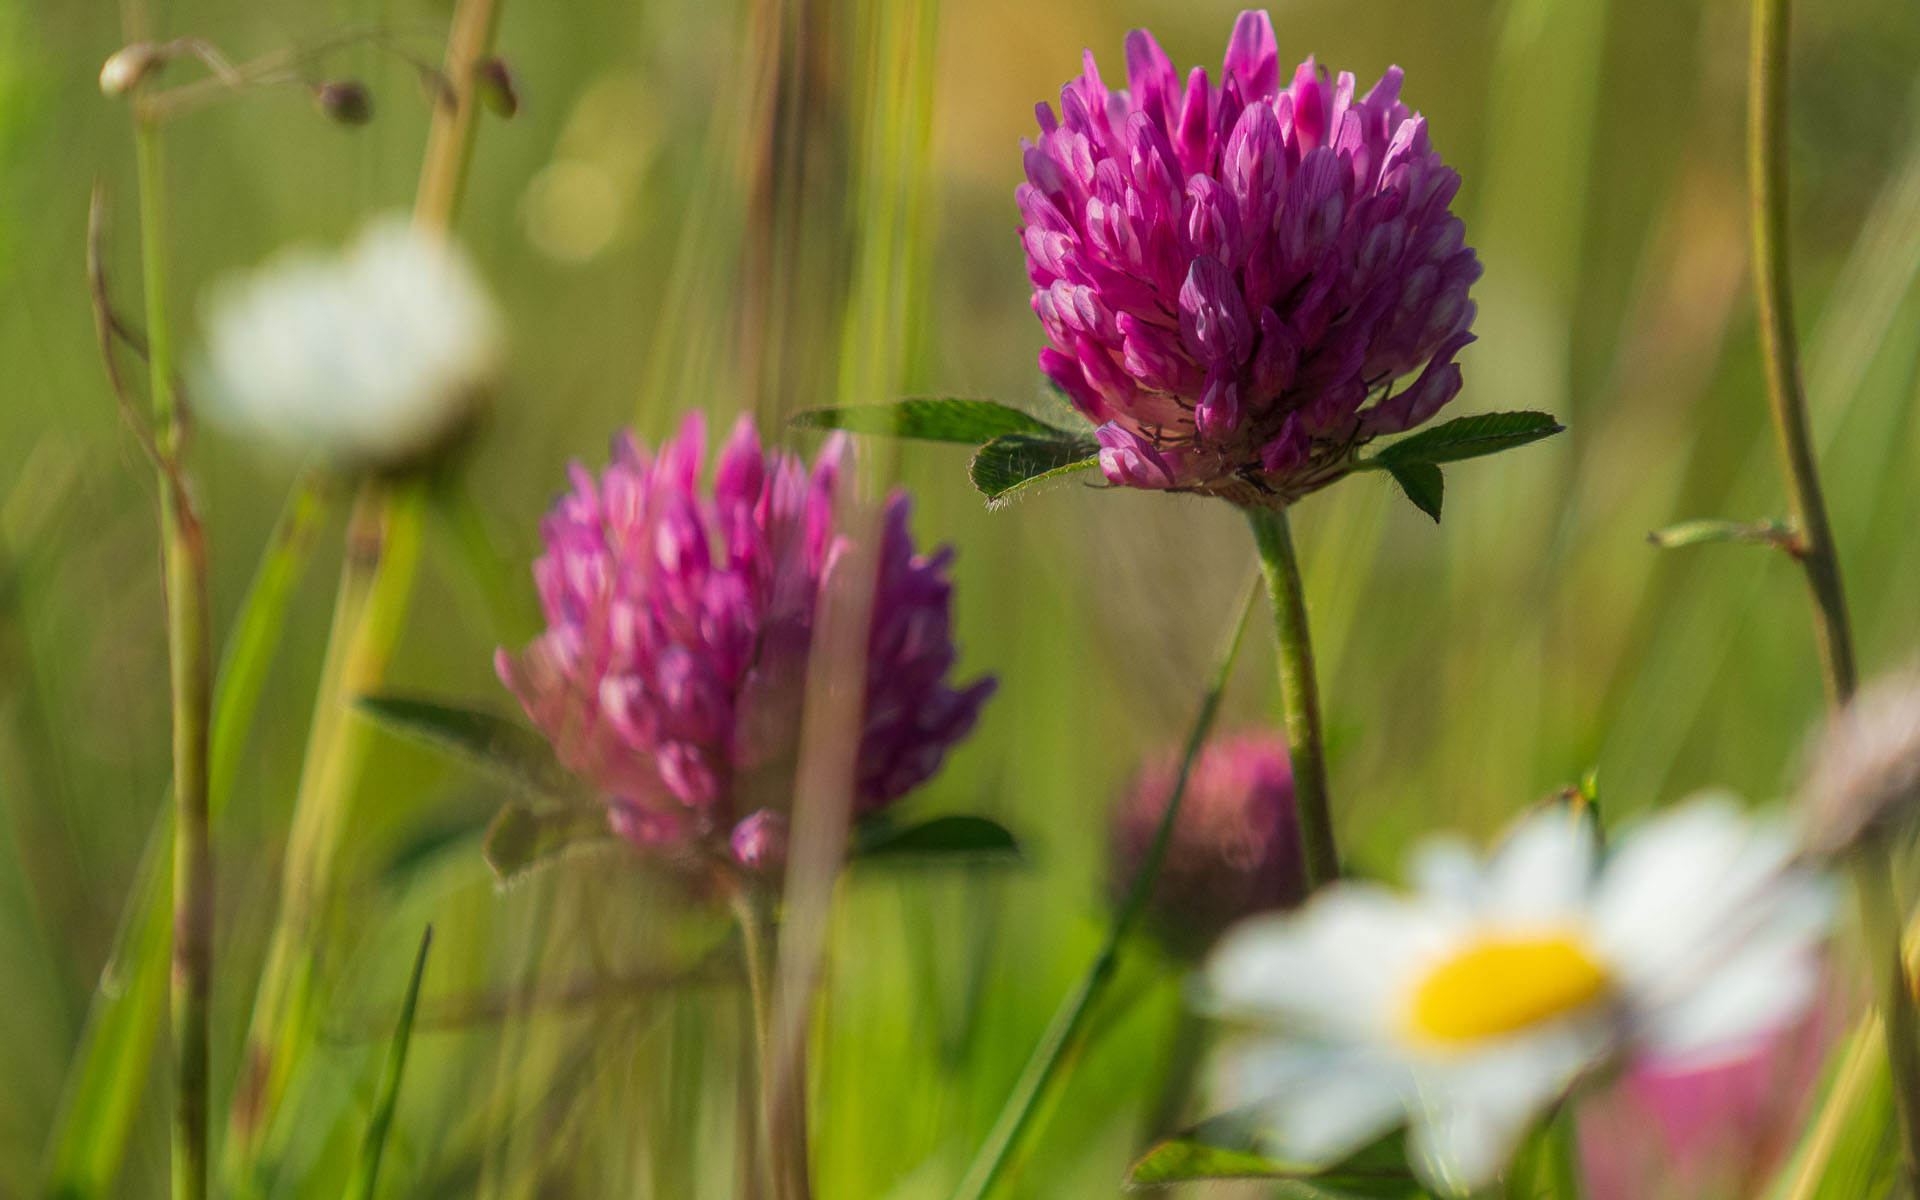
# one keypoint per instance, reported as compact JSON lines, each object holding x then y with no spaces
{"x":757,"y":205}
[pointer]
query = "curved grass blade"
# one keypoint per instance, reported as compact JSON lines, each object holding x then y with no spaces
{"x":366,"y":1171}
{"x":943,"y":419}
{"x":1068,"y":1030}
{"x":108,"y":1078}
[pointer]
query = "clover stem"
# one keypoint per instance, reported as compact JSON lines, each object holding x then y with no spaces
{"x":1299,"y":692}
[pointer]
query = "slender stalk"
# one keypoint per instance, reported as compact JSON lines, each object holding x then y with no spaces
{"x":370,"y":609}
{"x":1787,"y":401}
{"x":1855,"y":1080}
{"x":1780,"y":345}
{"x":1299,"y":692}
{"x":382,"y":532}
{"x":1881,"y":921}
{"x":190,"y":660}
{"x":1065,"y":1036}
{"x":786,"y":1146}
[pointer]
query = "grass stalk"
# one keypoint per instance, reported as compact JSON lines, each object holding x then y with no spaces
{"x":366,"y":1171}
{"x":780,"y":1124}
{"x":1780,"y":344}
{"x":190,"y":659}
{"x":1299,"y":692}
{"x":1066,"y":1035}
{"x":1767,"y":178}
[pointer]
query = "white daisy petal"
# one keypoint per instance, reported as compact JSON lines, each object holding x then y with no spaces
{"x":1752,"y":996}
{"x":1461,"y":1146}
{"x":1680,"y":883}
{"x":1543,"y":869}
{"x":1317,"y":1103}
{"x":1332,"y":967}
{"x":1445,"y":869}
{"x":1472,"y":1112}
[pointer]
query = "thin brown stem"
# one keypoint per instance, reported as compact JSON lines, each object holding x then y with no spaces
{"x":1780,"y":345}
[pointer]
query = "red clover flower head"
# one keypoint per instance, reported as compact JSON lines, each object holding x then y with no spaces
{"x":679,"y":619}
{"x":1235,"y":849}
{"x":1232,"y":277}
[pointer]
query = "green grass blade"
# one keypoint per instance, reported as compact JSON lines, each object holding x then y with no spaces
{"x":1068,"y":1030}
{"x":105,"y":1085}
{"x":257,"y":630}
{"x":367,"y":1171}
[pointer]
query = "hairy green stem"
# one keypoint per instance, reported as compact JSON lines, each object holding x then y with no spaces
{"x":190,"y":660}
{"x":1814,"y":545}
{"x":1299,"y":692}
{"x":1065,"y":1036}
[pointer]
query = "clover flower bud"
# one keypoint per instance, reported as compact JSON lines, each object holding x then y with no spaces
{"x":1235,"y":848}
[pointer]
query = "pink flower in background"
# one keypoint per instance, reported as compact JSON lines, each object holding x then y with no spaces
{"x":1236,"y":843}
{"x":1232,"y":277}
{"x":1689,"y":1131}
{"x":679,"y":620}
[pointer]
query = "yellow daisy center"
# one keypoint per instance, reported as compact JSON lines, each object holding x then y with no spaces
{"x":1499,"y":983}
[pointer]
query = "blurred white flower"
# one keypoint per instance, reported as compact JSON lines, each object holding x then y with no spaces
{"x":1865,"y":772}
{"x":371,"y":357}
{"x":1467,"y":1008}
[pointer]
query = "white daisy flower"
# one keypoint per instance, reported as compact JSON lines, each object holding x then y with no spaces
{"x":371,"y":357}
{"x":1467,"y":1008}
